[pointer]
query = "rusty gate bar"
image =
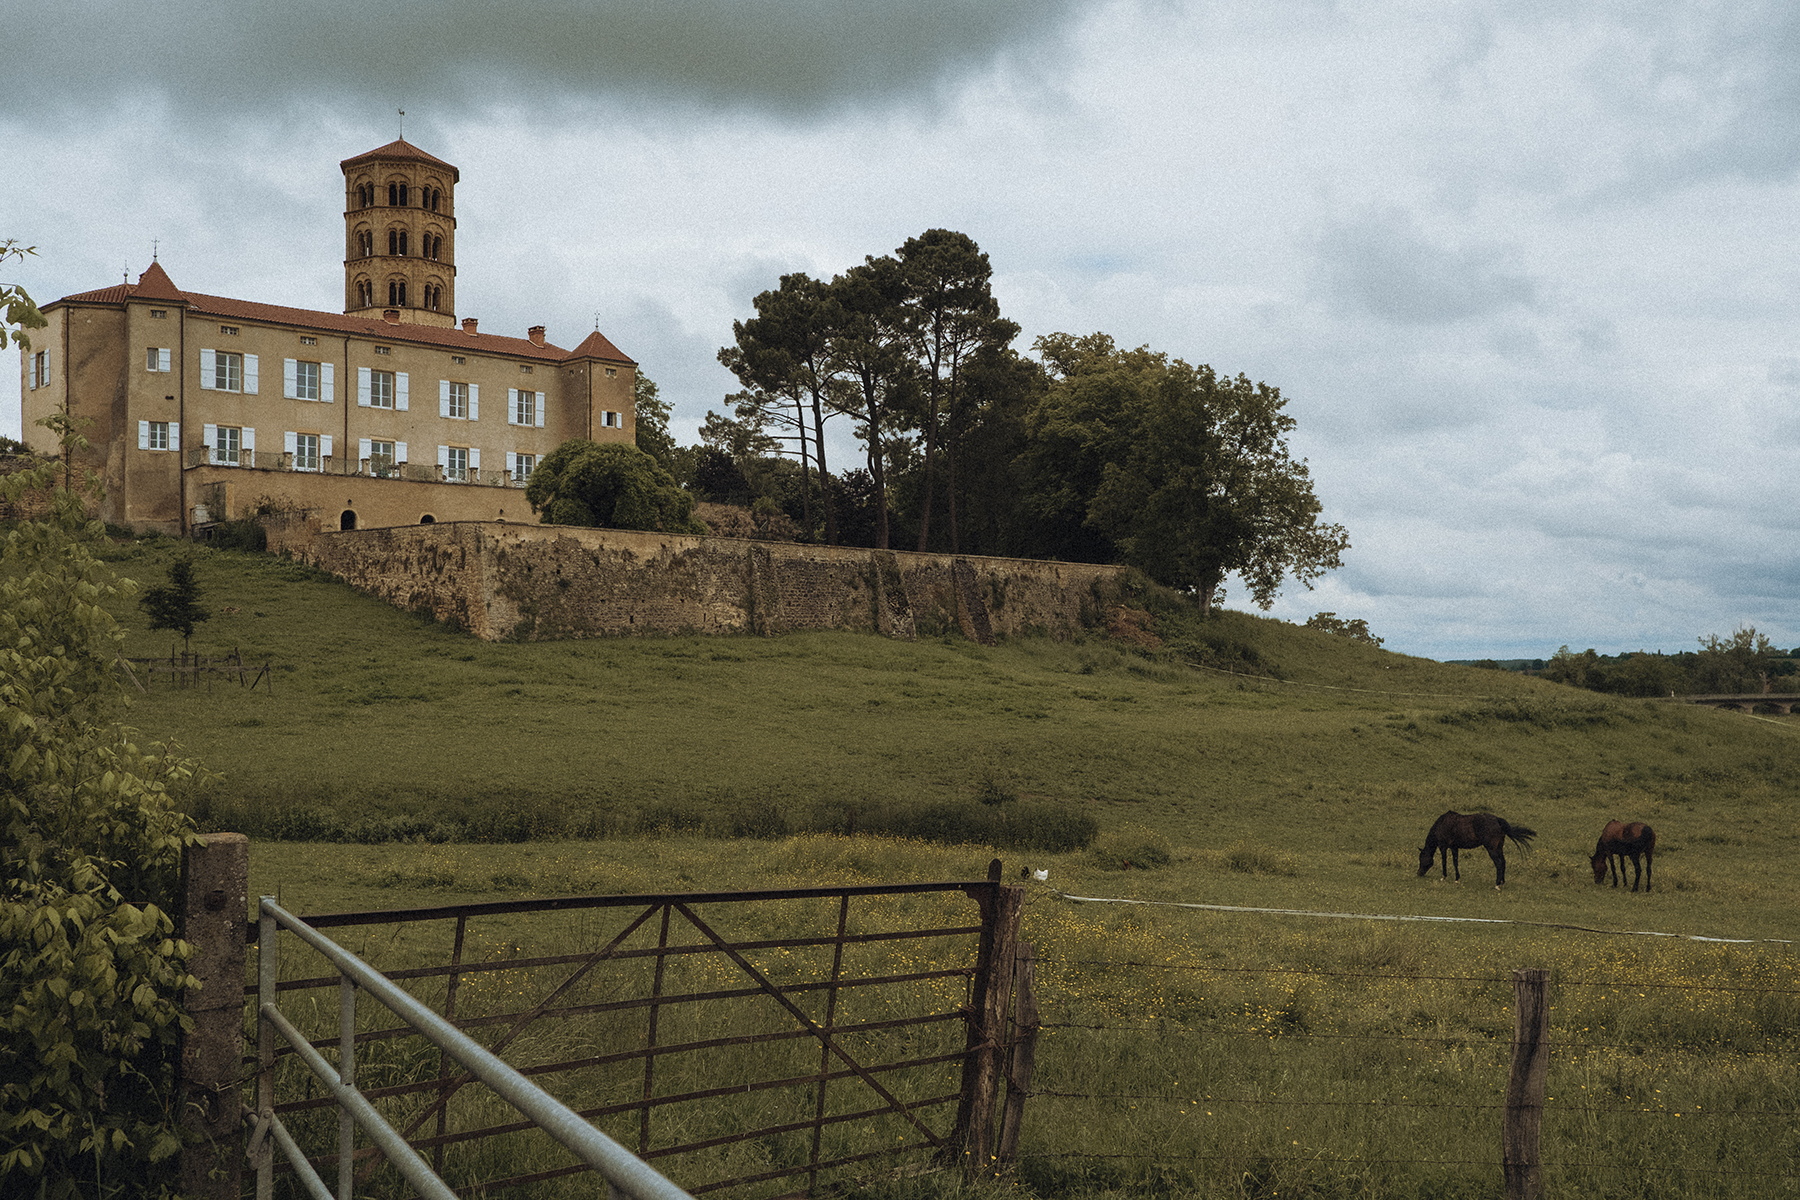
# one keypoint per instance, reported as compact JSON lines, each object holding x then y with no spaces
{"x":985,"y":1044}
{"x":831,"y":999}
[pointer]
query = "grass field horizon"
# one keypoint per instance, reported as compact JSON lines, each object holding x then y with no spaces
{"x":1307,"y":785}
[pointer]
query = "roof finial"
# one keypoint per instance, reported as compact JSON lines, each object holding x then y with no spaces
{"x":126,"y":270}
{"x":154,"y":244}
{"x":403,"y":124}
{"x":596,"y":320}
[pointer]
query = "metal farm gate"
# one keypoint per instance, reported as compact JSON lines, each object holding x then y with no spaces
{"x":780,"y":1042}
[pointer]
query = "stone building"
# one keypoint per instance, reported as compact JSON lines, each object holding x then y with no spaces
{"x":201,"y":407}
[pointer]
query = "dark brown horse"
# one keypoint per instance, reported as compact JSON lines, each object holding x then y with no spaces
{"x":1454,"y":831}
{"x":1618,"y":842}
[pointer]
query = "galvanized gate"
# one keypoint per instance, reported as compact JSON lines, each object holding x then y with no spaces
{"x":771,"y":1042}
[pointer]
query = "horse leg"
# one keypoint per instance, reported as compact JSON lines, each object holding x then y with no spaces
{"x":1456,"y":862}
{"x":1615,"y":866}
{"x":1636,"y":870}
{"x":1649,"y":861}
{"x":1498,"y":854}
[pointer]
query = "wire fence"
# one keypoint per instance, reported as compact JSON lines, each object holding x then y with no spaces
{"x":1299,"y":1080}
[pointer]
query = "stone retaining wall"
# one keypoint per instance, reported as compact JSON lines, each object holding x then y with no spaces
{"x":540,"y":582}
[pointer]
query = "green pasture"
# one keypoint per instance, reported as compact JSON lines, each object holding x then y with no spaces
{"x":1196,"y":1052}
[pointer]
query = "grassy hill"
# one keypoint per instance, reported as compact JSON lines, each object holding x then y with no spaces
{"x":1341,"y":1057}
{"x":1330,"y":761}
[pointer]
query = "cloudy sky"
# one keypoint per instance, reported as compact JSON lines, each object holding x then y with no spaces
{"x":1526,"y":273}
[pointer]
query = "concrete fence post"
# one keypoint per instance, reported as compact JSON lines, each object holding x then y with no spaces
{"x":214,"y":908}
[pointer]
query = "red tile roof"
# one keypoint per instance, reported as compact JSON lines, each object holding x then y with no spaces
{"x":401,"y":151}
{"x":155,"y":284}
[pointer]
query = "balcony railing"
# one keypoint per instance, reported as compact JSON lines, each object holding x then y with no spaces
{"x":271,"y":460}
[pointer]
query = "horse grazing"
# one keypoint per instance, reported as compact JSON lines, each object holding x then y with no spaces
{"x":1454,"y":831}
{"x":1618,"y":842}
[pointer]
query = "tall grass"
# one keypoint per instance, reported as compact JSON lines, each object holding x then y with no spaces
{"x":650,"y":765}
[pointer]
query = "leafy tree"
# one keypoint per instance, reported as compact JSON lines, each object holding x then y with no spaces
{"x":1182,"y":472}
{"x":1739,"y":663}
{"x":953,"y":316}
{"x":871,"y":347}
{"x":783,"y":358}
{"x":652,"y":416}
{"x":90,"y":855}
{"x":618,"y":487}
{"x":176,"y":604}
{"x":17,"y":311}
{"x":1356,"y":630}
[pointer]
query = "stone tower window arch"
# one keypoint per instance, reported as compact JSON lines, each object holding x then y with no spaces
{"x":397,"y":242}
{"x":365,"y":293}
{"x":397,"y":193}
{"x":397,"y":293}
{"x":363,"y":243}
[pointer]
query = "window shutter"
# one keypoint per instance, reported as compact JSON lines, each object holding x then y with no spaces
{"x":512,"y":464}
{"x":443,"y":397}
{"x":474,"y":401}
{"x":362,"y":449}
{"x":162,"y":359}
{"x":326,"y":376}
{"x":512,"y":406}
{"x":143,"y":435}
{"x":249,"y":374}
{"x":290,"y":386}
{"x":400,"y":452}
{"x":541,"y":396}
{"x":400,"y":390}
{"x":443,"y":457}
{"x":249,"y":439}
{"x":211,"y":434}
{"x":324,"y":445}
{"x":474,"y":457}
{"x":365,"y":386}
{"x":174,"y":435}
{"x":209,"y":366}
{"x":290,"y":441}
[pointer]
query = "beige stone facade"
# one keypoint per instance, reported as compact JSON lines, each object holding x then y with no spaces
{"x":200,"y":407}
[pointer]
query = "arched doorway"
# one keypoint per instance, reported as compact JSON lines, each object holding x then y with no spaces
{"x":428,"y":519}
{"x":348,"y":520}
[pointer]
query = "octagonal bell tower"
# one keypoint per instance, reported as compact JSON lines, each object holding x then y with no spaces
{"x":400,"y":236}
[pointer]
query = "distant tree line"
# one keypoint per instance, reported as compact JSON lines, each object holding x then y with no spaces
{"x":1745,"y":662}
{"x":1082,"y":451}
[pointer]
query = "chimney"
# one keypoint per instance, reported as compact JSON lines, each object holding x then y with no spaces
{"x":469,"y":326}
{"x":391,"y":315}
{"x":536,"y":335}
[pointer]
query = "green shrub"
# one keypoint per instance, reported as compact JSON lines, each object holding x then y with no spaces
{"x":91,"y":975}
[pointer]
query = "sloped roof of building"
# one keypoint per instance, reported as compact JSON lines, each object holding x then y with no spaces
{"x":400,"y":150}
{"x":156,"y":285}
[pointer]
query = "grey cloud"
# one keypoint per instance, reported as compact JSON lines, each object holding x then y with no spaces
{"x":787,"y":57}
{"x":1384,"y":264}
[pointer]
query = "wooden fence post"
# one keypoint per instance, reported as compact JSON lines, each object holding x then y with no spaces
{"x":1523,"y":1119}
{"x":1023,"y":1064}
{"x":212,"y":920}
{"x":1000,"y":908}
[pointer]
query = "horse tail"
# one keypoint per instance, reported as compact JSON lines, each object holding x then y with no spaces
{"x":1520,"y":834}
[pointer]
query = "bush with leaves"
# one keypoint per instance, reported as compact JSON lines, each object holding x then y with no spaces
{"x":91,"y":973}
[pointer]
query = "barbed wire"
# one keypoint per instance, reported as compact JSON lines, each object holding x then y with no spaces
{"x":1319,"y":1160}
{"x":1484,"y":979}
{"x":1591,"y":1109}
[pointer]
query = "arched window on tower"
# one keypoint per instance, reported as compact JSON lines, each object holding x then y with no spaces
{"x":365,"y":243}
{"x":365,"y":294}
{"x":397,"y":242}
{"x":397,"y":293}
{"x":365,"y":195}
{"x":429,"y":245}
{"x":397,"y":195}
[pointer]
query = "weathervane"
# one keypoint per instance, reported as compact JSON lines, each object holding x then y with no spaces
{"x":403,"y":124}
{"x":155,"y":243}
